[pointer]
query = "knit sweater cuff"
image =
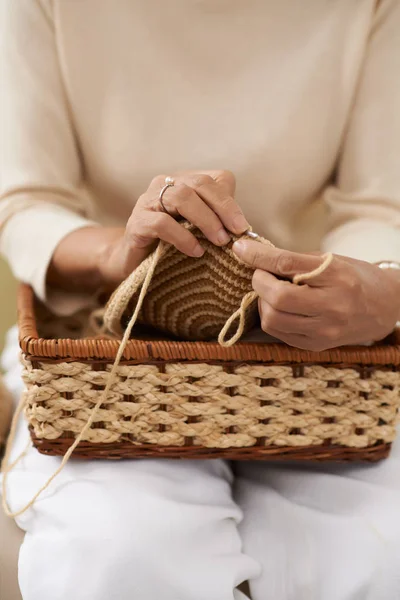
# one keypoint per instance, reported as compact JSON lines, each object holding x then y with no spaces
{"x":365,"y":239}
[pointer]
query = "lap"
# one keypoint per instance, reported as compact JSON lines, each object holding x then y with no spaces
{"x":327,"y":531}
{"x":333,"y":529}
{"x":104,"y":481}
{"x":142,"y":528}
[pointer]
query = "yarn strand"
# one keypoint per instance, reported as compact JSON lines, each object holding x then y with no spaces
{"x":251,"y":296}
{"x":302,"y":277}
{"x":239,"y":315}
{"x":7,"y":468}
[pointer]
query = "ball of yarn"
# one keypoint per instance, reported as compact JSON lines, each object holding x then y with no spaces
{"x":189,"y":298}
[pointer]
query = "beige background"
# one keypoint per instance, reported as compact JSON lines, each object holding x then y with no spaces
{"x":8,"y":311}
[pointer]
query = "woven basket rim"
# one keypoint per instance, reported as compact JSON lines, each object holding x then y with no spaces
{"x":317,"y":453}
{"x":383,"y":353}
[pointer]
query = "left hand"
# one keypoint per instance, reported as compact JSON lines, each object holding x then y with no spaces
{"x":351,"y":302}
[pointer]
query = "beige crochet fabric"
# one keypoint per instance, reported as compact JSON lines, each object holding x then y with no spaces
{"x":190,"y":298}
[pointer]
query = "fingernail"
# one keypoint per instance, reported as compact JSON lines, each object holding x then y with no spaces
{"x":223,"y":237}
{"x":198,"y":251}
{"x":238,"y":247}
{"x":240,"y":224}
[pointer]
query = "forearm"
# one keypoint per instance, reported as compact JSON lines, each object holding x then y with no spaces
{"x":78,"y":261}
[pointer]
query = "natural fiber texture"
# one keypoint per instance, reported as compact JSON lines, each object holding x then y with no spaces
{"x":190,"y":298}
{"x":190,"y":405}
{"x":48,"y":343}
{"x":193,"y":298}
{"x":251,"y":297}
{"x":7,"y":467}
{"x":214,"y":406}
{"x":127,"y":450}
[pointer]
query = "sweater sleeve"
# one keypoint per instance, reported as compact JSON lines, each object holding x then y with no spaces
{"x":364,"y":205}
{"x":40,"y":170}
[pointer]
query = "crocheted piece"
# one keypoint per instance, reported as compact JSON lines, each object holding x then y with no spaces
{"x":190,"y":298}
{"x":214,"y":406}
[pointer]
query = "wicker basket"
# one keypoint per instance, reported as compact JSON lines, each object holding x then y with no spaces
{"x":197,"y":400}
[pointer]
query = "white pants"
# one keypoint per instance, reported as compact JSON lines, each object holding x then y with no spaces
{"x":194,"y":530}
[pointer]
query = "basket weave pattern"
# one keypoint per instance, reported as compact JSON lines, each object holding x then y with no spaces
{"x":199,"y":400}
{"x":215,"y":406}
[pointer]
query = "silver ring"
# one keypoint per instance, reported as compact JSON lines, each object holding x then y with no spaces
{"x":251,"y":234}
{"x":169,"y":182}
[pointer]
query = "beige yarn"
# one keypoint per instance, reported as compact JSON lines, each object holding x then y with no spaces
{"x":251,"y":297}
{"x":126,"y":288}
{"x":195,"y":298}
{"x":196,"y":403}
{"x":190,"y":298}
{"x":6,"y":467}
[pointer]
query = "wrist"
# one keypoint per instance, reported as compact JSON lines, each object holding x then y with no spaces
{"x":78,"y":261}
{"x":107,"y":257}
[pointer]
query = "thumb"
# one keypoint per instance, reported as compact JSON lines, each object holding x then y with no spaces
{"x":282,"y":263}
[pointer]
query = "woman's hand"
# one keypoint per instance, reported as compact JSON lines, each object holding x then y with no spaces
{"x":351,"y":302}
{"x":95,"y":257}
{"x":204,"y":199}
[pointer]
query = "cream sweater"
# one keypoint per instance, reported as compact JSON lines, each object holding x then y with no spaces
{"x":300,"y":99}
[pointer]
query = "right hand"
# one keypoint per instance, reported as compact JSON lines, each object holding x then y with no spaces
{"x":205,"y":199}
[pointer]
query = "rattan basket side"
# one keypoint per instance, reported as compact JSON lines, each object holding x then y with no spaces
{"x":198,"y":400}
{"x":385,"y":353}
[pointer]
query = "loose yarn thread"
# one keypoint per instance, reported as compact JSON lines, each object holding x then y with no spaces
{"x":252,"y":296}
{"x":239,"y":314}
{"x":6,"y":468}
{"x":188,"y":298}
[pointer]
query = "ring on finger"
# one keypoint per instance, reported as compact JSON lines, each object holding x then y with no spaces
{"x":169,"y":182}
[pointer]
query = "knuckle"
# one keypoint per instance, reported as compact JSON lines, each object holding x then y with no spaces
{"x":354,"y":284}
{"x":341,"y":311}
{"x":285,"y":264}
{"x":136,"y":238}
{"x":137,"y":222}
{"x":346,"y":278}
{"x":278,"y":296}
{"x":201,"y":179}
{"x":183,"y":192}
{"x":229,"y":177}
{"x":331,"y":333}
{"x":254,"y":258}
{"x":141,"y":201}
{"x":268,"y":317}
{"x":160,"y":222}
{"x":226,"y":203}
{"x":158,"y":180}
{"x":342,"y":277}
{"x":215,"y":231}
